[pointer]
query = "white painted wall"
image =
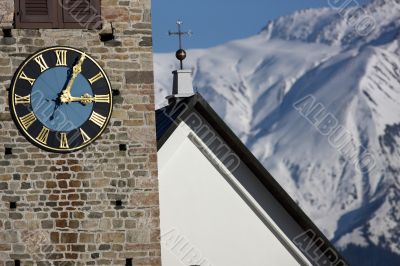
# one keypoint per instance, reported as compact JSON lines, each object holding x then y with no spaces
{"x":205,"y":221}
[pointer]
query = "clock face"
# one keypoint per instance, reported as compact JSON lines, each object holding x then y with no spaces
{"x":61,"y":99}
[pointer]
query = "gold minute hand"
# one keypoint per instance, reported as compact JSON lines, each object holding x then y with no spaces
{"x":75,"y":72}
{"x":86,"y":98}
{"x":66,"y":94}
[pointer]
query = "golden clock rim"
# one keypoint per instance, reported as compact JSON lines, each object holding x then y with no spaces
{"x":15,"y":116}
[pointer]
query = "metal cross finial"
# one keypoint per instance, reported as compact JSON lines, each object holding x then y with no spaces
{"x":180,"y":54}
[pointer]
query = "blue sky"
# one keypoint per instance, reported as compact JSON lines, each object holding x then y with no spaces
{"x":214,"y":22}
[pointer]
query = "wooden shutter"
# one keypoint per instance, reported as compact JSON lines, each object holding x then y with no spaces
{"x":33,"y":14}
{"x":81,"y":14}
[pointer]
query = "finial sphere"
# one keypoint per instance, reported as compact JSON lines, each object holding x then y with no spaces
{"x":181,"y":54}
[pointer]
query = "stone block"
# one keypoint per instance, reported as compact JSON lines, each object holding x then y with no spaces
{"x":114,"y":237}
{"x":69,"y":237}
{"x":139,"y":77}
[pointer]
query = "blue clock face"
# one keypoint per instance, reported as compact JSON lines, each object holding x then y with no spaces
{"x":55,"y":116}
{"x":61,"y":99}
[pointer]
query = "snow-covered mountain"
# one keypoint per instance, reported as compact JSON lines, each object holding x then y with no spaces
{"x":316,"y":97}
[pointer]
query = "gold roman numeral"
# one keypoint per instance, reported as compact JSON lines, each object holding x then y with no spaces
{"x":64,"y":141}
{"x":102,"y":98}
{"x":28,"y":120}
{"x":22,"y":99}
{"x":96,"y":78}
{"x":43,"y":135}
{"x":98,"y":119}
{"x":25,"y":77}
{"x":42,"y":63}
{"x":85,"y":136}
{"x":61,"y":57}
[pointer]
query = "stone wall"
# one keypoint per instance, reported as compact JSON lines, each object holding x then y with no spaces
{"x":66,"y":212}
{"x":6,"y":13}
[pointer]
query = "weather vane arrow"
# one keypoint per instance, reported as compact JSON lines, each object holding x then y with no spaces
{"x":180,"y":54}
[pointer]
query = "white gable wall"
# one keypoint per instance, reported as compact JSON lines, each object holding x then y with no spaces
{"x":208,"y":218}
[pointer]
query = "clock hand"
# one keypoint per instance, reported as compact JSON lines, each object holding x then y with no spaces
{"x":86,"y":98}
{"x":56,"y":105}
{"x":66,"y":94}
{"x":75,"y":72}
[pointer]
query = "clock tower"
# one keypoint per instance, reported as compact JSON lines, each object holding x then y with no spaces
{"x":78,"y":164}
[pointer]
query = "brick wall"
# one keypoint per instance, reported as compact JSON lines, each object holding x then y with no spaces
{"x":66,"y":212}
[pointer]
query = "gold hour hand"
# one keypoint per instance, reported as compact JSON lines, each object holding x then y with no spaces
{"x":86,"y":99}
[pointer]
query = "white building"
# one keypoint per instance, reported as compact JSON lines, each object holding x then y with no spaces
{"x":219,"y":206}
